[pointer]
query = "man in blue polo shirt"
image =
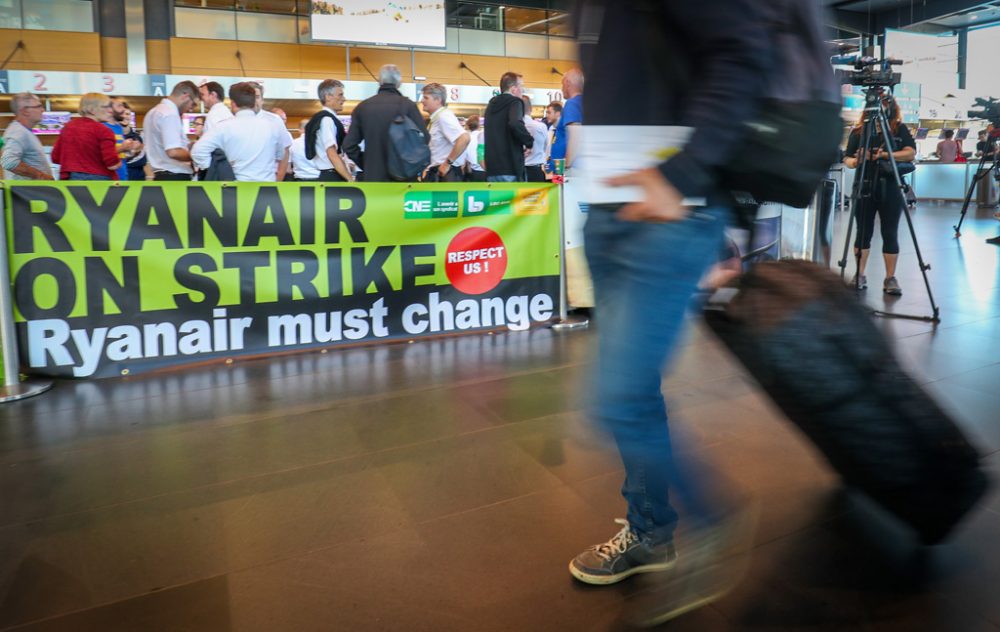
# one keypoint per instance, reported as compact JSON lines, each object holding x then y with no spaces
{"x":572,"y":113}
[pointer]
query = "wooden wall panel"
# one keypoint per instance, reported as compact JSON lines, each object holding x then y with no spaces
{"x":114,"y":56}
{"x":438,"y":67}
{"x":158,"y":57}
{"x":375,"y":58}
{"x":47,"y":50}
{"x":322,"y":62}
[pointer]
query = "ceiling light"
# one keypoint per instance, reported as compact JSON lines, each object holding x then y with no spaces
{"x":973,"y":17}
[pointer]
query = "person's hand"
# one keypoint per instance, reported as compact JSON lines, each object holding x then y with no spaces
{"x":443,"y":169}
{"x":45,"y":176}
{"x":662,"y":202}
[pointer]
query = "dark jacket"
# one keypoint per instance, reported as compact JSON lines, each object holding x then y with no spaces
{"x":313,"y":127}
{"x":724,"y":60}
{"x":506,"y":137}
{"x":370,"y":123}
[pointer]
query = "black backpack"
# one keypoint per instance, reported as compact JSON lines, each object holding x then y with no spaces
{"x":408,"y":153}
{"x":788,"y":147}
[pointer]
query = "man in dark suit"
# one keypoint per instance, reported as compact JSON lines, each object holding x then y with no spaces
{"x":370,"y":125}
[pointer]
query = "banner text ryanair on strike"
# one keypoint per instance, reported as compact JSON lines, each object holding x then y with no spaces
{"x":96,"y":291}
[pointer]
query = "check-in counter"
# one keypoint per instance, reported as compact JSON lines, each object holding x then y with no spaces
{"x":943,"y":181}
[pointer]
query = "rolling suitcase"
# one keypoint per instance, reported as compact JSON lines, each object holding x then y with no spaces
{"x":816,"y":352}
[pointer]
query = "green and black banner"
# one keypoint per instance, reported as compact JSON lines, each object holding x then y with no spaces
{"x":110,"y":279}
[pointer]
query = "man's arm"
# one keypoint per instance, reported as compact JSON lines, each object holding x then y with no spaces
{"x":733,"y":56}
{"x":170,"y":132}
{"x":282,"y":165}
{"x":515,"y":123}
{"x":338,"y":163}
{"x":12,"y":160}
{"x":328,"y":139}
{"x":201,"y":151}
{"x":352,"y":142}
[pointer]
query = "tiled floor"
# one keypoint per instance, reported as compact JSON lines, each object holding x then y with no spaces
{"x":444,"y":485}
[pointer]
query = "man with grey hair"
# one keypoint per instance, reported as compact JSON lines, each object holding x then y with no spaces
{"x":448,"y":139}
{"x":23,"y":156}
{"x":370,"y":123}
{"x":324,"y":134}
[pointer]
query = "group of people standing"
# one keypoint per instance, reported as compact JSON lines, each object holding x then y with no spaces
{"x":509,"y":147}
{"x":243,"y":141}
{"x":101,"y":144}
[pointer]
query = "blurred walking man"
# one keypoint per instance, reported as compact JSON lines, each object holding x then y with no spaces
{"x":646,"y":258}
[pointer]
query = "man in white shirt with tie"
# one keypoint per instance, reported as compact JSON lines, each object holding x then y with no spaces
{"x":214,"y":97}
{"x":251,"y":144}
{"x":275,"y":121}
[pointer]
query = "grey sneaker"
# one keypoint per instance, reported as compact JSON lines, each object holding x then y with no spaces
{"x":715,"y":560}
{"x":860,"y":282}
{"x":622,"y":556}
{"x":891,"y":287}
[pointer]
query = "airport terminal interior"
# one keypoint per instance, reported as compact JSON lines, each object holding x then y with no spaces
{"x":444,"y":482}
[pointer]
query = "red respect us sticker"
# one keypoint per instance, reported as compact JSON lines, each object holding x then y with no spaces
{"x":476,"y":260}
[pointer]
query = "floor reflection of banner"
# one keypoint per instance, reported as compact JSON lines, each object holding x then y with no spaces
{"x":111,"y":279}
{"x":579,"y":288}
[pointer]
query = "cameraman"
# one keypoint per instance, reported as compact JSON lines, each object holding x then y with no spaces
{"x":880,"y":193}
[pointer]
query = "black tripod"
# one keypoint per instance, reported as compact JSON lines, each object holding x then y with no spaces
{"x":865,"y":181}
{"x":989,"y":153}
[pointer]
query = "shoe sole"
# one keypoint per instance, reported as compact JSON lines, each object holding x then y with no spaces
{"x":604,"y":580}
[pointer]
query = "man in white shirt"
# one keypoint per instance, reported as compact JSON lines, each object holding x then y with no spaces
{"x":303,"y":168}
{"x":474,"y":171}
{"x":279,"y":125}
{"x":535,"y":157}
{"x":214,"y":98}
{"x":325,"y":134}
{"x":448,"y":139}
{"x":166,"y":143}
{"x":251,"y":144}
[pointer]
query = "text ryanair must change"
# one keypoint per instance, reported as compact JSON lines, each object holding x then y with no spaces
{"x":109,"y":279}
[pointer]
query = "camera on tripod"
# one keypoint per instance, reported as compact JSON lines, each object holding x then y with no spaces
{"x":868,"y":71}
{"x":989,"y":110}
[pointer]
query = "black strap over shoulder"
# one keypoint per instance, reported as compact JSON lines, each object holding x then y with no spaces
{"x":312,"y":131}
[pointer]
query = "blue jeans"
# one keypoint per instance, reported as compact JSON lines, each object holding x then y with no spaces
{"x":76,"y":175}
{"x":502,"y":179}
{"x":644,"y":277}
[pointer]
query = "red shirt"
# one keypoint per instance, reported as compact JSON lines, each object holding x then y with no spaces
{"x":85,"y":146}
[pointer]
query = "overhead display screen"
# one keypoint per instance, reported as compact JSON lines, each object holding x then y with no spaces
{"x":400,"y":23}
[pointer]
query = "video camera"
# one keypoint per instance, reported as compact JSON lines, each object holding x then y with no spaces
{"x":990,"y":111}
{"x":868,"y":71}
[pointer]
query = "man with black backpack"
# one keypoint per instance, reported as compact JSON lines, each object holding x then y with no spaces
{"x":371,"y":123}
{"x":646,"y":258}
